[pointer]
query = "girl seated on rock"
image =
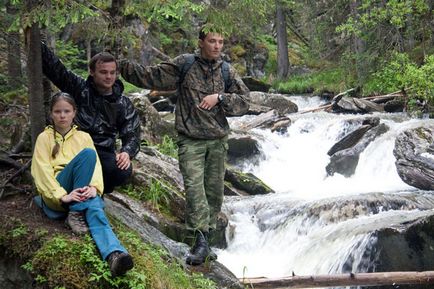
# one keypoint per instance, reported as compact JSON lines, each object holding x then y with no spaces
{"x":68,"y":177}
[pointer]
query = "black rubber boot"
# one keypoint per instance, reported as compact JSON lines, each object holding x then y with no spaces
{"x":200,"y":252}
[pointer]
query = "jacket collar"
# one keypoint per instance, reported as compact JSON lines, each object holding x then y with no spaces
{"x":51,"y":129}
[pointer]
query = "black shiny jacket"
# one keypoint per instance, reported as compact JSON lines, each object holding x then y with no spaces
{"x":103,"y":117}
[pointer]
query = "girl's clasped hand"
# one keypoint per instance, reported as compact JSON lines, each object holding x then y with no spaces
{"x":80,"y":194}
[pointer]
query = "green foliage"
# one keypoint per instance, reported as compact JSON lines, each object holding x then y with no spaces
{"x":270,"y":44}
{"x":65,"y":262}
{"x":395,"y":12}
{"x":55,"y":16}
{"x":14,"y":234}
{"x":19,"y":231}
{"x":159,"y":270}
{"x":316,"y":82}
{"x":168,"y":147}
{"x":72,"y":56}
{"x":401,"y":73}
{"x":157,"y":193}
{"x":128,"y":87}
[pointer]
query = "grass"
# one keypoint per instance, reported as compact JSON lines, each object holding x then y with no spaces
{"x":157,"y":194}
{"x":332,"y":80}
{"x":62,"y":261}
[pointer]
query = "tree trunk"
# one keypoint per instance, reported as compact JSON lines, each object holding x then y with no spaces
{"x":88,"y":50}
{"x":359,"y":49}
{"x":116,"y":25}
{"x":34,"y":73}
{"x":46,"y":83}
{"x":282,"y":42}
{"x":14,"y":52}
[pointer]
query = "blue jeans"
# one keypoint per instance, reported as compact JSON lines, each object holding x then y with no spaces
{"x":78,"y":173}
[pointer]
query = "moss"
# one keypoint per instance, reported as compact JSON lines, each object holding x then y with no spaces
{"x":241,"y":69}
{"x":236,"y":52}
{"x":64,"y":261}
{"x":18,"y":240}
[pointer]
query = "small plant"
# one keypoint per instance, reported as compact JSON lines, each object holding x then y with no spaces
{"x":157,"y":194}
{"x":168,"y":147}
{"x":19,"y":231}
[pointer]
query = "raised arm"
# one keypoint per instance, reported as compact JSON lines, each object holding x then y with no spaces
{"x":163,"y":76}
{"x":57,"y":73}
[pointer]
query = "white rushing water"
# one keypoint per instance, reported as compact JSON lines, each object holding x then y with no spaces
{"x":286,"y":232}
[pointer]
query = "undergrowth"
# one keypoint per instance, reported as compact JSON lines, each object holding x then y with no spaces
{"x":62,"y":261}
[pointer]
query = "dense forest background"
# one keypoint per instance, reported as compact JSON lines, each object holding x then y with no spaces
{"x":375,"y":46}
{"x":318,"y":47}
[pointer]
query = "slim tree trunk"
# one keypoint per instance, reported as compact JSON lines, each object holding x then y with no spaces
{"x":282,"y":42}
{"x":359,"y":47}
{"x":34,"y":73}
{"x":46,"y":83}
{"x":116,"y":25}
{"x":14,"y":52}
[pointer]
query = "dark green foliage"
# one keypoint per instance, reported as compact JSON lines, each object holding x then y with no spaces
{"x":72,"y":56}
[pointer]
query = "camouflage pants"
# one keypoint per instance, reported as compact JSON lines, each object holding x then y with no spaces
{"x":202,"y":164}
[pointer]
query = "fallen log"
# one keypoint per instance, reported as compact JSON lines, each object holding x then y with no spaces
{"x":340,"y":95}
{"x":350,"y":279}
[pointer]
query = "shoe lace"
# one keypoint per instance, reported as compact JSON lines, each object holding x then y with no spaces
{"x":79,"y":218}
{"x":82,"y":220}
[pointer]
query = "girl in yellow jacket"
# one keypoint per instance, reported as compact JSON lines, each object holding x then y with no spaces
{"x":68,"y":177}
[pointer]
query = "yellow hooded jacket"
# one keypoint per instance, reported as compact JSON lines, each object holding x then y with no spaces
{"x":45,"y":168}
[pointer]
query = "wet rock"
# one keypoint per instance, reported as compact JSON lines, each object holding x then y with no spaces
{"x":368,"y":106}
{"x":12,"y":276}
{"x":246,"y":182}
{"x":254,"y":84}
{"x":414,"y":153}
{"x":345,"y":154}
{"x":345,"y":105}
{"x":153,"y":126}
{"x":406,"y":247}
{"x":256,"y":109}
{"x":242,"y":146}
{"x":277,"y":102}
{"x":213,"y":270}
{"x":395,"y":105}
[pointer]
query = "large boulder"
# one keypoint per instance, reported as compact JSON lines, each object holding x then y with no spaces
{"x":407,"y":246}
{"x":344,"y":155}
{"x":254,"y":84}
{"x":278,"y":102}
{"x":414,"y":153}
{"x":133,"y":218}
{"x":153,"y":126}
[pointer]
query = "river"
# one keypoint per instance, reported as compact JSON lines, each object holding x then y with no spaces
{"x":314,"y":223}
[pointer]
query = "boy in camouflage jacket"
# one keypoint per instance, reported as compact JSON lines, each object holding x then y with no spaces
{"x":201,"y":109}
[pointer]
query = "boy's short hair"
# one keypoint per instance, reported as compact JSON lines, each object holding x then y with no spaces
{"x":101,"y":57}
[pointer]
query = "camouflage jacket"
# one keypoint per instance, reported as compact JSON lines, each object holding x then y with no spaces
{"x":202,"y":79}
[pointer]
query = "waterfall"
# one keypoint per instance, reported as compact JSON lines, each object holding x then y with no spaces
{"x":314,"y":223}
